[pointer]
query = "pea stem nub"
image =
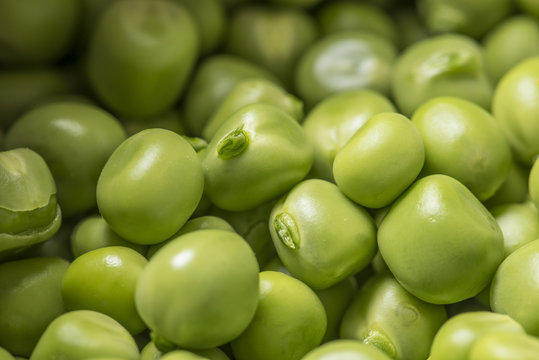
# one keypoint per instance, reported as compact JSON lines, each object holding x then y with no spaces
{"x":233,"y":144}
{"x":286,"y":230}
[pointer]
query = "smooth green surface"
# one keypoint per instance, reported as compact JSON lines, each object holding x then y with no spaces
{"x":200,"y":290}
{"x":289,"y":321}
{"x":320,"y":235}
{"x":150,"y":186}
{"x":371,"y":169}
{"x":346,"y":350}
{"x":505,"y":346}
{"x":22,"y":319}
{"x":66,"y":135}
{"x":533,"y":184}
{"x":454,"y":243}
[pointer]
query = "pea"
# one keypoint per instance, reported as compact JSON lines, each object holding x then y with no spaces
{"x":82,"y":133}
{"x":534,"y":183}
{"x":150,"y":186}
{"x":351,"y":349}
{"x":151,"y":352}
{"x":177,"y":292}
{"x":514,"y":189}
{"x":289,"y":321}
{"x":505,"y":346}
{"x":5,"y":355}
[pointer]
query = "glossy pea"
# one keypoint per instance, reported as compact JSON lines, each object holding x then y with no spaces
{"x":85,"y":334}
{"x":118,"y":50}
{"x":442,"y":65}
{"x":22,"y":319}
{"x":331,"y":123}
{"x":289,"y":321}
{"x":150,"y":186}
{"x":30,"y":212}
{"x":184,"y":278}
{"x":384,"y":315}
{"x":320,"y":235}
{"x":344,"y":61}
{"x":453,"y":241}
{"x":82,"y":133}
{"x":346,"y":349}
{"x":371,"y":169}
{"x":464,"y":141}
{"x":505,"y":346}
{"x":259,"y":153}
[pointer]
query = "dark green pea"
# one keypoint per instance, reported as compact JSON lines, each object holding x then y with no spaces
{"x":33,"y":31}
{"x":212,"y":81}
{"x":530,"y":7}
{"x":83,"y":134}
{"x":458,"y":335}
{"x":443,"y":65}
{"x":251,"y":91}
{"x":510,"y":42}
{"x":256,"y":33}
{"x":513,"y":190}
{"x":211,"y":20}
{"x":171,"y":120}
{"x":346,"y":349}
{"x":334,"y":121}
{"x":321,"y":236}
{"x":30,"y":299}
{"x":252,"y":225}
{"x":454,"y":243}
{"x":22,"y":88}
{"x":56,"y":246}
{"x":464,"y":141}
{"x":344,"y":61}
{"x":85,"y":335}
{"x":122,"y":65}
{"x":297,"y":3}
{"x":289,"y":321}
{"x":385,"y":315}
{"x":255,"y":156}
{"x":473,"y":18}
{"x":410,"y":27}
{"x":28,"y":207}
{"x":345,"y":15}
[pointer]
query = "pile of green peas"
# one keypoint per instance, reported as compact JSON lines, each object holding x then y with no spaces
{"x":269,"y":179}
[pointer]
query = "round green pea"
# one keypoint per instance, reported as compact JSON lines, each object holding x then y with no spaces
{"x":200,"y":290}
{"x":380,"y":160}
{"x":464,"y":141}
{"x":331,"y":123}
{"x":514,"y":189}
{"x":182,"y":355}
{"x":289,"y":321}
{"x":104,"y":280}
{"x":451,"y":239}
{"x":150,"y":186}
{"x":346,"y":349}
{"x":5,"y":355}
{"x":122,"y":62}
{"x":505,"y":346}
{"x":515,"y":280}
{"x":75,"y":139}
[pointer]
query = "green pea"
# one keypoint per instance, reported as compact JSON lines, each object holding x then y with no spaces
{"x":533,"y":183}
{"x":454,"y":243}
{"x":56,"y":246}
{"x":289,"y":321}
{"x":410,"y":27}
{"x":30,"y":299}
{"x":514,"y":189}
{"x":515,"y":280}
{"x":505,"y":346}
{"x":151,"y":352}
{"x":120,"y":71}
{"x":473,"y":18}
{"x":510,"y":42}
{"x":346,"y":349}
{"x":443,"y":65}
{"x":91,"y":283}
{"x":458,"y":335}
{"x":464,"y":141}
{"x":383,"y":314}
{"x":182,"y":355}
{"x":171,"y":120}
{"x":199,"y":290}
{"x":530,"y":7}
{"x":344,"y":61}
{"x":515,"y":105}
{"x":212,"y":81}
{"x":150,"y":186}
{"x":28,"y":207}
{"x":33,"y":31}
{"x":83,"y":134}
{"x":296,"y":3}
{"x":380,"y":172}
{"x":519,"y":224}
{"x":85,"y":334}
{"x":251,"y":91}
{"x":346,"y":15}
{"x":256,"y":33}
{"x":321,"y":236}
{"x":194,"y":224}
{"x":331,"y":123}
{"x":93,"y":232}
{"x":5,"y":355}
{"x":259,"y":153}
